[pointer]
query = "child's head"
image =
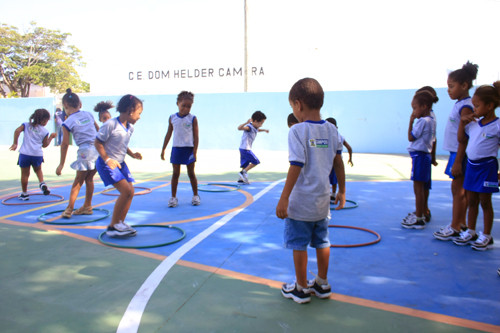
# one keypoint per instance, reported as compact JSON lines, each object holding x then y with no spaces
{"x":305,"y":94}
{"x":422,"y":103}
{"x":486,"y":99}
{"x":102,"y":109}
{"x":460,"y":80}
{"x":291,"y":120}
{"x":130,"y":107}
{"x":71,"y":101}
{"x":40,"y":117}
{"x":185,"y":101}
{"x":431,"y":90}
{"x":332,"y":120}
{"x":258,"y":118}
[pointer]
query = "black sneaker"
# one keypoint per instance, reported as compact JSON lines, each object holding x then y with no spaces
{"x":44,"y":188}
{"x":289,"y":290}
{"x":416,"y":224}
{"x":24,"y":196}
{"x":321,"y":291}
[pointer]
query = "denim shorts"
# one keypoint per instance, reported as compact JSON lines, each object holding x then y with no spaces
{"x":299,"y":234}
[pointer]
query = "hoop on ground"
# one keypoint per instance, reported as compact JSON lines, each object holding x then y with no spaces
{"x":144,"y":190}
{"x":356,"y":228}
{"x":42,"y":218}
{"x":354,"y":205}
{"x":182,"y":232}
{"x":30,"y":202}
{"x":233,"y":187}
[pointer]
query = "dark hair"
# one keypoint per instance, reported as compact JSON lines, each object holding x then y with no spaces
{"x":258,"y":116}
{"x":71,"y":99}
{"x":425,"y":98}
{"x":128,"y":103}
{"x":431,"y":90}
{"x":308,"y":91}
{"x":291,"y":120}
{"x":39,"y":116}
{"x":332,"y":120}
{"x":489,"y":94}
{"x":103,"y":106}
{"x":467,"y":74}
{"x":185,"y":95}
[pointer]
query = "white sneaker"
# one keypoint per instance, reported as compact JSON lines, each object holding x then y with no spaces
{"x":172,"y":202}
{"x":243,"y":174}
{"x":125,"y":226}
{"x":196,"y":201}
{"x":120,"y":230}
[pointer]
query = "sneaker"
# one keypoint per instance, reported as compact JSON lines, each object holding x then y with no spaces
{"x":67,"y":213}
{"x":125,"y":226}
{"x":290,"y":290}
{"x":483,"y":242}
{"x":44,"y":188}
{"x":410,"y":218}
{"x":466,"y":237}
{"x":418,"y":223}
{"x":321,"y":291}
{"x":332,"y":197}
{"x":84,"y":211}
{"x":498,"y":271}
{"x":172,"y":202}
{"x":428,"y":217}
{"x":196,"y":201}
{"x":23,"y":196}
{"x":244,"y":176}
{"x":120,"y":230}
{"x":447,"y":233}
{"x":241,"y":181}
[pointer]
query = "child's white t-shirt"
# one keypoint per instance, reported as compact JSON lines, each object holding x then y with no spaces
{"x":423,"y":132}
{"x":82,"y":125}
{"x":115,"y":138}
{"x":33,"y":140}
{"x":450,"y":142}
{"x":183,"y":130}
{"x":248,"y":137}
{"x":484,"y":140}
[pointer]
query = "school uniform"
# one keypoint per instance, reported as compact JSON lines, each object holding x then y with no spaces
{"x":183,"y":139}
{"x":420,"y":149}
{"x":246,"y":154}
{"x":30,"y":153}
{"x":82,"y":125}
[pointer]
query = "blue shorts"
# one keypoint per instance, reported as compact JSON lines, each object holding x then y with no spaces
{"x":299,"y":234}
{"x":25,"y":161}
{"x":112,"y":176}
{"x":247,"y":157}
{"x":333,"y":178}
{"x":421,"y":167}
{"x":451,"y":160}
{"x":182,"y":155}
{"x":482,"y":175}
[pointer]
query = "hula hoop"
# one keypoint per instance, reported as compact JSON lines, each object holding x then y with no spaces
{"x":183,"y":235}
{"x":234,"y":187}
{"x":355,"y":204}
{"x":145,"y":190}
{"x":27,"y":202}
{"x":356,"y":228}
{"x":68,"y":222}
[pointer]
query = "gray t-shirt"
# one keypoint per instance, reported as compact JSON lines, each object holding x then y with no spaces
{"x":115,"y":138}
{"x":82,"y":125}
{"x":248,"y":137}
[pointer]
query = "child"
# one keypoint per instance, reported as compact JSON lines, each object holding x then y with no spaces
{"x":313,"y":147}
{"x":248,"y":160}
{"x":102,"y":109}
{"x":459,"y":84}
{"x":481,"y":175}
{"x":112,"y":145}
{"x":291,"y":120}
{"x":184,"y":125}
{"x":59,"y":119}
{"x":421,"y":137}
{"x":36,"y":137}
{"x":333,"y":177}
{"x":84,"y":129}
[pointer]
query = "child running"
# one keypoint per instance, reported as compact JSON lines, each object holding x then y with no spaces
{"x":421,"y":136}
{"x":184,"y":127}
{"x":314,"y":147}
{"x":482,"y":131}
{"x":112,"y":145}
{"x":84,"y":129}
{"x":459,"y":84}
{"x":333,"y":177}
{"x":36,"y":137}
{"x":250,"y":128}
{"x":102,"y":109}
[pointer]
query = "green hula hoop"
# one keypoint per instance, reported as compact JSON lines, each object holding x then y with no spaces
{"x":234,"y":187}
{"x":41,"y":218}
{"x":354,"y":205}
{"x":183,"y":235}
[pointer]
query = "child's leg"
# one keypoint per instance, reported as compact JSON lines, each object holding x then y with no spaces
{"x":300,"y":262}
{"x":75,"y":188}
{"x":459,"y":203}
{"x":419,"y":189}
{"x":192,"y":178}
{"x":473,"y":205}
{"x":249,"y":167}
{"x":175,"y":178}
{"x":39,"y":173}
{"x":426,"y":204}
{"x":25,"y":176}
{"x":487,"y":206}
{"x":89,"y":187}
{"x":323,"y":257}
{"x":123,"y":202}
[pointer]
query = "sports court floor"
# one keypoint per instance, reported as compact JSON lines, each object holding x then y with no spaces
{"x":225,"y":274}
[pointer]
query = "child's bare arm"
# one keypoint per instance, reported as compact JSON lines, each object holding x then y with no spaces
{"x":349,"y":150}
{"x":291,"y":179}
{"x":64,"y":150}
{"x":17,"y":132}
{"x":338,"y":166}
{"x":196,"y":138}
{"x":410,"y":127}
{"x":167,"y":139}
{"x":48,"y":139}
{"x":244,"y":127}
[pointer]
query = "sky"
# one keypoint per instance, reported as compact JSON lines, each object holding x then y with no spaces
{"x":164,"y":46}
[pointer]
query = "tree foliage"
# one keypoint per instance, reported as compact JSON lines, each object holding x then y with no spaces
{"x":39,"y":56}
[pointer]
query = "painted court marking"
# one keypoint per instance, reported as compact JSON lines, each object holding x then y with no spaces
{"x":133,"y":314}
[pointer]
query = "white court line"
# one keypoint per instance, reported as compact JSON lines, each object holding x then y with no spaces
{"x":132,"y":316}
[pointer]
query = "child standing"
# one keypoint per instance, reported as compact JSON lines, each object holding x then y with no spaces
{"x":459,"y":84}
{"x":36,"y":137}
{"x":333,"y":177}
{"x":305,"y":201}
{"x":421,"y":137}
{"x":481,"y":175}
{"x":112,"y":145}
{"x":102,"y":109}
{"x":248,"y":160}
{"x":84,"y":129}
{"x":184,"y":126}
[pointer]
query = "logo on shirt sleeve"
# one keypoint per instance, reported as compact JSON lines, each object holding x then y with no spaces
{"x":318,"y":143}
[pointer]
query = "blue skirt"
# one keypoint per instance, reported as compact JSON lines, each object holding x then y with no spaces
{"x":482,"y":175}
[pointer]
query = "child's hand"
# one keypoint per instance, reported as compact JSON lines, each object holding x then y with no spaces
{"x":282,"y":209}
{"x":467,"y":118}
{"x":350,"y":163}
{"x":267,"y":131}
{"x":340,"y":200}
{"x":59,"y":169}
{"x":162,"y":155}
{"x":137,"y":156}
{"x":434,"y":162}
{"x":53,"y":135}
{"x":113,"y":164}
{"x":13,"y":147}
{"x":456,"y":170}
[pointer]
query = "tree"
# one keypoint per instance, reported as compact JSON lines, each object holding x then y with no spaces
{"x":40,"y":56}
